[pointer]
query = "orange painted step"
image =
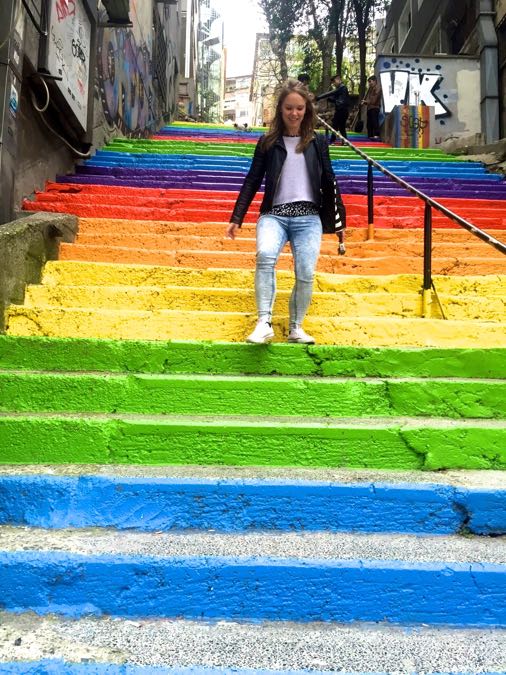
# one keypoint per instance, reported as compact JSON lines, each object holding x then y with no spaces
{"x":121,"y":226}
{"x":391,"y":264}
{"x":246,"y":242}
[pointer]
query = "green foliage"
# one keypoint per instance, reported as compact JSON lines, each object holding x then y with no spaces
{"x":328,"y":35}
{"x":307,"y":59}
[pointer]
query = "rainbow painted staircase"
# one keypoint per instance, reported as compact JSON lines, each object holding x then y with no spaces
{"x":175,"y":500}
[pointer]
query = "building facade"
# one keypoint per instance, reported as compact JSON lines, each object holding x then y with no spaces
{"x":265,"y":81}
{"x":187,"y":99}
{"x":237,"y":106}
{"x":74,"y":73}
{"x":211,"y":64}
{"x":446,"y":53}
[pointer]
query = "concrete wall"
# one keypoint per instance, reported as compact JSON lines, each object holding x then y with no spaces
{"x":25,"y":245}
{"x":125,"y":99}
{"x":451,"y":84}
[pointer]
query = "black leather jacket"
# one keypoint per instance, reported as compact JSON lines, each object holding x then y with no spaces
{"x":339,"y":97}
{"x":269,"y":164}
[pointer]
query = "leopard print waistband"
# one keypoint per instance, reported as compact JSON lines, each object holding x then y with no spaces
{"x":294,"y":209}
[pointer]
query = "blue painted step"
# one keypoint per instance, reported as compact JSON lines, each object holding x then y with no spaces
{"x":251,"y":588}
{"x":154,"y":504}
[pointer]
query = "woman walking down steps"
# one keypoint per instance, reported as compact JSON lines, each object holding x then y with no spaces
{"x":301,"y":199}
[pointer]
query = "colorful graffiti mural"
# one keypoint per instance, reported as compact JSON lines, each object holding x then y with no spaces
{"x":125,"y":81}
{"x":137,"y":69}
{"x":412,"y":126}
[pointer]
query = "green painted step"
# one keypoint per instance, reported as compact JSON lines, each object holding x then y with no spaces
{"x":262,"y":396}
{"x":389,"y":443}
{"x":75,"y":354}
{"x":247,"y":149}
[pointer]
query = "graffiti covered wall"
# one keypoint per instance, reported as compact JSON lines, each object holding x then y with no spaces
{"x":69,"y":53}
{"x":126,"y":74}
{"x":449,"y":84}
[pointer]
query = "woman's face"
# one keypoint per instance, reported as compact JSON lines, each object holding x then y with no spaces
{"x":293,"y":110}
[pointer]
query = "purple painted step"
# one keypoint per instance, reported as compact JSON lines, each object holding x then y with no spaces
{"x":464,"y":189}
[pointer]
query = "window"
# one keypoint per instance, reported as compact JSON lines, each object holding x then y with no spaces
{"x":404,"y":24}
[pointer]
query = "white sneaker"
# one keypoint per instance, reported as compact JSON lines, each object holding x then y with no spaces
{"x":263,"y":333}
{"x":300,"y":336}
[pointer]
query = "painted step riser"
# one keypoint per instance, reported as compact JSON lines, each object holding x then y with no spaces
{"x":328,"y":247}
{"x":97,"y":226}
{"x":255,"y":589}
{"x":26,"y":353}
{"x":68,"y":273}
{"x":183,"y":197}
{"x":91,"y":667}
{"x":211,"y":202}
{"x":152,"y":505}
{"x":389,"y":445}
{"x":449,"y":185}
{"x":203,"y":214}
{"x":39,"y":392}
{"x":233,"y":327}
{"x":328,"y":264}
{"x":236,"y":300}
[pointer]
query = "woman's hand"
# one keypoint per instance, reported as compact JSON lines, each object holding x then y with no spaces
{"x":231,"y":230}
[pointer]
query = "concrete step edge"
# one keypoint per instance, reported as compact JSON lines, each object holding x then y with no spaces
{"x":261,"y":422}
{"x":480,"y":480}
{"x":243,"y":648}
{"x":169,"y":289}
{"x":213,"y":378}
{"x":382,"y":549}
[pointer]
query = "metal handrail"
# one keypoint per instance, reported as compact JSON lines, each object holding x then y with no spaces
{"x":429,"y":205}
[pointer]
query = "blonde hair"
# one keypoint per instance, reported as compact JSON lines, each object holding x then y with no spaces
{"x":277,"y":126}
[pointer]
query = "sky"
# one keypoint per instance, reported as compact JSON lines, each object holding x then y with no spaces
{"x":242,"y":21}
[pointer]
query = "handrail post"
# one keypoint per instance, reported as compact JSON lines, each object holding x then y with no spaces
{"x":427,"y":259}
{"x":370,"y":203}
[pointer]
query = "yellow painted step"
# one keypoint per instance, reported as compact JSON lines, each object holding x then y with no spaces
{"x":337,"y":303}
{"x":179,"y":325}
{"x":149,"y":298}
{"x":73,"y":273}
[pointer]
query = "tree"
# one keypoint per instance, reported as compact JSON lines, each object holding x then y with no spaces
{"x":339,"y":14}
{"x":319,"y":17}
{"x":364,"y":13}
{"x":282,"y":18}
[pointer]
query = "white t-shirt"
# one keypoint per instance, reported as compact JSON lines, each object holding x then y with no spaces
{"x":294,"y":184}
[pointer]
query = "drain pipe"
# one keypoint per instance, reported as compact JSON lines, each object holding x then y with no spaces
{"x":489,"y":68}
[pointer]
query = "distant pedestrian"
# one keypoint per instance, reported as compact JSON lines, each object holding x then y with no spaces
{"x":373,"y":102}
{"x":340,"y":98}
{"x":305,"y":80}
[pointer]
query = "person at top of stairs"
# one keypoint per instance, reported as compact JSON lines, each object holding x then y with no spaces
{"x":373,"y":102}
{"x":340,"y":98}
{"x":301,"y":198}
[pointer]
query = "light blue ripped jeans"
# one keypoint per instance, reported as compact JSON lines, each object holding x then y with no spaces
{"x":272,"y":232}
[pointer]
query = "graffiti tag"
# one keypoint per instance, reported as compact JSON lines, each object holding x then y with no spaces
{"x":402,"y":87}
{"x":77,"y":51}
{"x":65,"y":8}
{"x":409,"y":123}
